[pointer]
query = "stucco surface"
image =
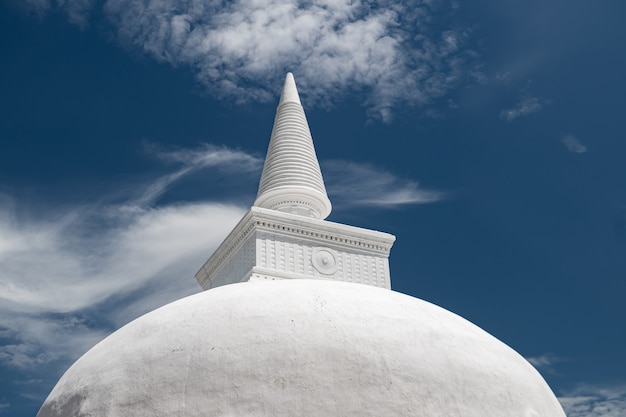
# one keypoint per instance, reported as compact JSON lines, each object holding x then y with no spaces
{"x":301,"y":348}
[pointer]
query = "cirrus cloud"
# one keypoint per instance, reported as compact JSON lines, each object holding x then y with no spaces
{"x":353,"y":184}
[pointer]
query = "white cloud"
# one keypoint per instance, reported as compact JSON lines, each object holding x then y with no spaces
{"x":573,"y":144}
{"x":545,"y":362}
{"x":593,"y":401}
{"x":542,"y":361}
{"x":208,"y":155}
{"x":4,"y":406}
{"x":68,"y":263}
{"x":353,"y":184}
{"x":192,"y":160}
{"x":39,"y":340}
{"x":523,"y":108}
{"x":241,"y":49}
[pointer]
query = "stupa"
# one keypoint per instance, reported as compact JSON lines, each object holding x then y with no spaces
{"x":299,"y":319}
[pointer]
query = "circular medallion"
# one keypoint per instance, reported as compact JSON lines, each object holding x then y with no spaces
{"x":324,"y":261}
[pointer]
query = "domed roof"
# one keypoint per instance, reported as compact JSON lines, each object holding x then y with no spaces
{"x":301,"y":348}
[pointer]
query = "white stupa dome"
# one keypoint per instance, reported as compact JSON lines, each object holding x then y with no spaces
{"x":299,"y":320}
{"x":301,"y":348}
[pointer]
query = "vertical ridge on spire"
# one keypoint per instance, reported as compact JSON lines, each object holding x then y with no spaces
{"x":292,"y":180}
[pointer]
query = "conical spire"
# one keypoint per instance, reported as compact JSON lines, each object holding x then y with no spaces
{"x":292,"y":180}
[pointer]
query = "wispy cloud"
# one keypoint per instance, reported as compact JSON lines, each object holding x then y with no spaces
{"x":573,"y":144}
{"x":396,"y":51}
{"x":38,"y":340}
{"x":192,"y":160}
{"x":593,"y":401}
{"x":208,"y":155}
{"x":545,"y":362}
{"x":4,"y":406}
{"x":525,"y":107}
{"x":542,"y":361}
{"x":353,"y":184}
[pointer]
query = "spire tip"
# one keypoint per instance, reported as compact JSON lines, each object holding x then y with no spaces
{"x":290,"y":91}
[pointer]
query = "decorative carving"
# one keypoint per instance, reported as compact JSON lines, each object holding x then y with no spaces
{"x":268,"y":244}
{"x":324,"y":260}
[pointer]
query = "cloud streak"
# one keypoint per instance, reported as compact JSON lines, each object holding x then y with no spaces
{"x":593,"y":401}
{"x":351,"y":184}
{"x":38,"y":340}
{"x":68,"y":263}
{"x":193,"y":160}
{"x":573,"y":144}
{"x":523,"y":108}
{"x":239,"y":50}
{"x":60,"y":267}
{"x":545,"y":362}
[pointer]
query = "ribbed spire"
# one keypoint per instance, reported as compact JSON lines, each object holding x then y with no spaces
{"x":292,"y":180}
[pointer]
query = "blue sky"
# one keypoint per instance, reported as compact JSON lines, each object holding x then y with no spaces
{"x":488,"y":136}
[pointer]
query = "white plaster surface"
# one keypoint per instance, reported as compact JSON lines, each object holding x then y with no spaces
{"x":301,"y":348}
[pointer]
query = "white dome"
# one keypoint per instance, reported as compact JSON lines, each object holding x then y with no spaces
{"x":301,"y":348}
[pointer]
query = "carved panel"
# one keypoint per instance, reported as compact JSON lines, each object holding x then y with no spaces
{"x":235,"y":268}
